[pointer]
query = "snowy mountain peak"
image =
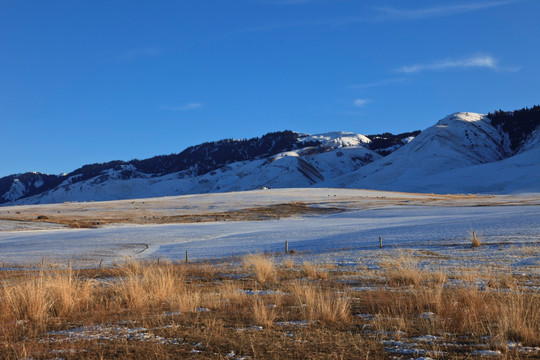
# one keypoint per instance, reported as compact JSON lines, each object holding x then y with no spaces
{"x":462,"y":117}
{"x":338,"y":139}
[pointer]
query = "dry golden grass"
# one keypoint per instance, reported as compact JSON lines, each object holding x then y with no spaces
{"x":518,"y":318}
{"x":470,"y":275}
{"x":69,"y":294}
{"x":262,"y":266}
{"x":438,"y":277}
{"x":40,"y":297}
{"x":313,"y":270}
{"x":475,"y":240}
{"x":403,"y":269}
{"x":263,"y":315}
{"x":325,"y":305}
{"x":166,"y":300}
{"x":27,"y":300}
{"x":288,"y":263}
{"x":466,"y":310}
{"x":148,"y":286}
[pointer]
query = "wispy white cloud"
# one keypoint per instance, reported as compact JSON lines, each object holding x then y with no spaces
{"x":479,"y":61}
{"x":391,"y":13}
{"x":376,"y":83}
{"x":361,"y":102}
{"x":382,"y":14}
{"x":185,"y":107}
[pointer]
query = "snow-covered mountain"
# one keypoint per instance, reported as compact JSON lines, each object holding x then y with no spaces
{"x":457,"y":141}
{"x":306,"y":162}
{"x":462,"y":153}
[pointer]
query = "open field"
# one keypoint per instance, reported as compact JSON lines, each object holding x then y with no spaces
{"x":274,"y":307}
{"x":123,"y":289}
{"x":219,"y":225}
{"x":251,"y":205}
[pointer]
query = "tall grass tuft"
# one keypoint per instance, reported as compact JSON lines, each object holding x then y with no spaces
{"x":321,"y":304}
{"x":262,"y":314}
{"x":288,"y":263}
{"x":475,"y":240}
{"x":403,"y":270}
{"x":518,"y":318}
{"x":312,"y":271}
{"x":262,"y":267}
{"x":38,"y":298}
{"x":69,"y":294}
{"x":149,"y":286}
{"x":27,"y":300}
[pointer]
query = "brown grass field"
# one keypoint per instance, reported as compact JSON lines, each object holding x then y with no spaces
{"x":266,"y":307}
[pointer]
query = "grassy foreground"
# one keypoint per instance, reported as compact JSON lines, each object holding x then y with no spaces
{"x":261,"y":307}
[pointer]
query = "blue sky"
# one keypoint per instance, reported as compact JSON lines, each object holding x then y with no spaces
{"x":93,"y":81}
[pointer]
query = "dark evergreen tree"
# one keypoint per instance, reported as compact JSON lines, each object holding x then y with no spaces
{"x":381,"y":143}
{"x":518,"y":124}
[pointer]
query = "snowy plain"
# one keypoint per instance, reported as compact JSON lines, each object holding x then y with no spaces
{"x":403,"y":224}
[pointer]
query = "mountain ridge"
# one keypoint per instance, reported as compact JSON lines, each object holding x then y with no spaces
{"x":290,"y":159}
{"x":191,"y":162}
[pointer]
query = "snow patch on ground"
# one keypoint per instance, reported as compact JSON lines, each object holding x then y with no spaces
{"x":111,"y":332}
{"x":434,"y":228}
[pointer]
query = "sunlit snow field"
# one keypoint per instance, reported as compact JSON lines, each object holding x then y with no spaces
{"x":442,"y":228}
